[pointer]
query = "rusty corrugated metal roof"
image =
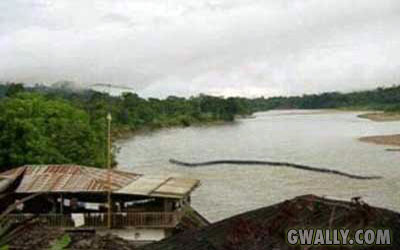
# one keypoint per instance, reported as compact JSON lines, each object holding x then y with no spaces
{"x":67,"y":178}
{"x":74,"y":179}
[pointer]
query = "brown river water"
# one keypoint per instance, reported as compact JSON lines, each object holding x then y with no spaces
{"x":315,"y":138}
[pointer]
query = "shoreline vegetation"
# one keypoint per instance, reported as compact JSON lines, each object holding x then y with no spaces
{"x":61,"y":124}
{"x":127,"y":133}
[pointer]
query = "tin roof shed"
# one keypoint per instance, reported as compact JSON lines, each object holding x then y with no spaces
{"x":81,"y":179}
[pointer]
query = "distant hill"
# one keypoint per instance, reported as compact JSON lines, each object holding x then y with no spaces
{"x":387,"y":99}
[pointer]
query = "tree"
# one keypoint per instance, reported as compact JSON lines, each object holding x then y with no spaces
{"x":14,"y":88}
{"x":36,"y":130}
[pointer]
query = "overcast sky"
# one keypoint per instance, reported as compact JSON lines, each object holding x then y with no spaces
{"x":186,"y":47}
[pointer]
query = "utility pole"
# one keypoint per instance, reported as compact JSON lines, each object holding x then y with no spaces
{"x":109,"y":146}
{"x":109,"y":177}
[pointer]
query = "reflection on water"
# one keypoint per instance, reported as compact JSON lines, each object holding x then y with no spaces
{"x":323,"y":139}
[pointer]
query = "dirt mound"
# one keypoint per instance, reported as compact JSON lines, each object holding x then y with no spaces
{"x":89,"y":241}
{"x":266,"y":228}
{"x":34,"y":236}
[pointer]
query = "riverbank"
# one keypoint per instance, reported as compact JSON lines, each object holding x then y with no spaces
{"x":389,"y":140}
{"x":125,"y":132}
{"x":315,"y":111}
{"x":381,"y":116}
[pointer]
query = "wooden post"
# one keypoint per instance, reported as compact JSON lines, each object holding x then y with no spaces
{"x":62,"y":204}
{"x":167,"y":205}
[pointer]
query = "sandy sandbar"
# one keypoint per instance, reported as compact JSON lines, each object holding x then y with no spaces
{"x":381,"y":116}
{"x":392,"y":140}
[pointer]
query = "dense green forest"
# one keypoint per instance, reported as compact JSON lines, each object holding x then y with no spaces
{"x":35,"y":129}
{"x":41,"y":124}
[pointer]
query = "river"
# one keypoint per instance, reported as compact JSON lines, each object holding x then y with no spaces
{"x":316,"y":138}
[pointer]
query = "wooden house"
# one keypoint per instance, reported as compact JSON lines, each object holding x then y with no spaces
{"x":143,"y":208}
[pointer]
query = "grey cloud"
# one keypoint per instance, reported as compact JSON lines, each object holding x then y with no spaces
{"x":221,"y":47}
{"x":114,"y":17}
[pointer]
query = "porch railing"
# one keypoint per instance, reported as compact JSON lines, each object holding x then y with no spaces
{"x":99,"y":220}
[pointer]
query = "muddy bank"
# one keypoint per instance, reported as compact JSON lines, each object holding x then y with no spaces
{"x":381,"y":116}
{"x":389,"y":140}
